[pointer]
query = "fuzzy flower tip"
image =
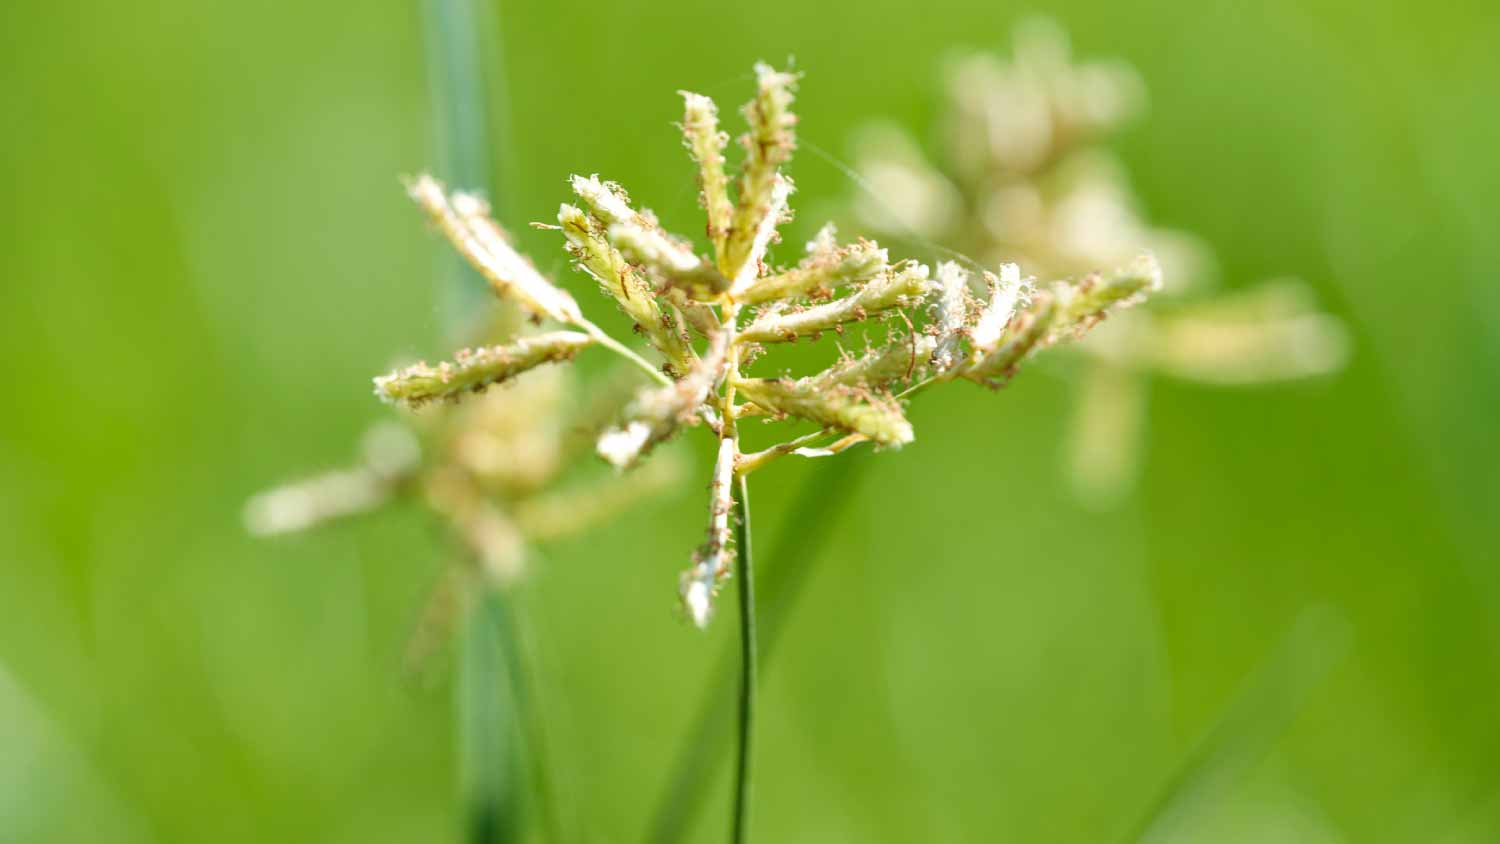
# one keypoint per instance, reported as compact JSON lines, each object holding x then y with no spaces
{"x":697,"y":598}
{"x":465,"y":220}
{"x":621,"y":446}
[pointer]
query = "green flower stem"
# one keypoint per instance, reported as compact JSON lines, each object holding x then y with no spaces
{"x":750,"y":462}
{"x":792,"y":559}
{"x":623,"y":351}
{"x":742,"y":791}
{"x":730,"y":432}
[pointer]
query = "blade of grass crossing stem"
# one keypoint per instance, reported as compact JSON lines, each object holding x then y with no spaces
{"x":461,"y":35}
{"x":782,"y":576}
{"x":489,"y":751}
{"x":742,"y":780}
{"x":461,"y":38}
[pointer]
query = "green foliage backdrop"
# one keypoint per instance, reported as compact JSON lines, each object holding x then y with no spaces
{"x":205,"y":254}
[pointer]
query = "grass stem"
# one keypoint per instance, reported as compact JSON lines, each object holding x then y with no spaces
{"x":792,"y":559}
{"x":624,"y":351}
{"x":742,"y":782}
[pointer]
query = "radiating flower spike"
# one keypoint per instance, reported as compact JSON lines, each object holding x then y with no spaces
{"x":703,"y":138}
{"x":825,"y":270}
{"x":768,"y":145}
{"x":595,"y":256}
{"x":389,"y":458}
{"x":776,"y":212}
{"x":474,"y":370}
{"x":839,"y":406}
{"x":898,"y":360}
{"x":1064,"y":312}
{"x":892,"y":289}
{"x":667,"y":262}
{"x":1092,"y":299}
{"x":638,"y":237}
{"x":464,"y":219}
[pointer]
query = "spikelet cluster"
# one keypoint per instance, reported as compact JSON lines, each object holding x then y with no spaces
{"x":708,"y":314}
{"x":1026,"y":177}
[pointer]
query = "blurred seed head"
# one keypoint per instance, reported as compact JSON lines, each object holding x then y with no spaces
{"x":1024,"y":177}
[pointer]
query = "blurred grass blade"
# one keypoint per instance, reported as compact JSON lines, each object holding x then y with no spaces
{"x":556,"y":823}
{"x":782,"y":577}
{"x":459,"y":33}
{"x":489,"y":748}
{"x":1272,"y":698}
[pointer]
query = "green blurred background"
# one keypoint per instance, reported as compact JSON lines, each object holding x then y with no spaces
{"x":206,"y":253}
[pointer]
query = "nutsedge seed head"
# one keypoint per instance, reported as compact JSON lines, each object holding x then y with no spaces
{"x":736,"y":303}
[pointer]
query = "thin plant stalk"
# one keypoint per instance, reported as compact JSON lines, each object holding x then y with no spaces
{"x":491,"y":679}
{"x":489,"y":752}
{"x":793,"y":557}
{"x":742,"y":789}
